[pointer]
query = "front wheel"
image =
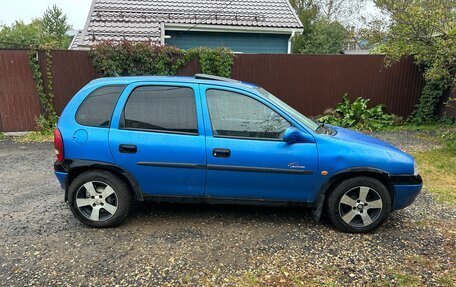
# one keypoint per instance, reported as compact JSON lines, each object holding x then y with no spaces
{"x":359,"y":204}
{"x":99,"y":198}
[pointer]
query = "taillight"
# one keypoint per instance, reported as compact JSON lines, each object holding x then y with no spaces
{"x":58,"y":145}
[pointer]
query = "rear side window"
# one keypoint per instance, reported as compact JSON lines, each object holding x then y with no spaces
{"x":97,"y":108}
{"x":161,"y":108}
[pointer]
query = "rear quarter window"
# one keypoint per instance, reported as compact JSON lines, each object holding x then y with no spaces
{"x":96,"y":110}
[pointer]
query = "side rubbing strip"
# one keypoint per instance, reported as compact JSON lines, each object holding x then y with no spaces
{"x":172,"y":164}
{"x":257,"y":169}
{"x":224,"y":167}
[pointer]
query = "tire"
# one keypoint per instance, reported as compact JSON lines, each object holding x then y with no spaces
{"x":99,"y":199}
{"x":358,"y":205}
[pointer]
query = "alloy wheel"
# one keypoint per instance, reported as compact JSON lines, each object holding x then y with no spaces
{"x":360,"y":206}
{"x":96,"y":201}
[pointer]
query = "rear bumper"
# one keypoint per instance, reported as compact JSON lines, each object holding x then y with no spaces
{"x":61,"y":177}
{"x":60,"y":173}
{"x":406,"y":189}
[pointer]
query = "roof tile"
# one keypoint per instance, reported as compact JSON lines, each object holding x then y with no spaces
{"x":139,"y":20}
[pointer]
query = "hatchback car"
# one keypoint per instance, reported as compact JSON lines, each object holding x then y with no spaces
{"x":216,"y":140}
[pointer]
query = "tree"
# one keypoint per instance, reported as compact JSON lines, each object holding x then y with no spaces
{"x":320,"y":35}
{"x":55,"y":25}
{"x":325,"y":37}
{"x":425,"y":29}
{"x":374,"y":31}
{"x":46,"y":31}
{"x":21,"y":34}
{"x":345,"y":12}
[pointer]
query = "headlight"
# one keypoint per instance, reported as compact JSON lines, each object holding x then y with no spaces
{"x":415,"y":168}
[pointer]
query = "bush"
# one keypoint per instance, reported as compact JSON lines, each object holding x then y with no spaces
{"x":125,"y":58}
{"x":357,"y":115}
{"x":426,"y":109}
{"x":112,"y":59}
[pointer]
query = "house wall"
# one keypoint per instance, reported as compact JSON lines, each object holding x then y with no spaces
{"x":238,"y":42}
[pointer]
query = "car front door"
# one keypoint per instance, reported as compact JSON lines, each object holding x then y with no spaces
{"x":157,"y":136}
{"x":246,"y":156}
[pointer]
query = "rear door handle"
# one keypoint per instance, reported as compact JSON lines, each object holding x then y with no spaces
{"x":221,"y":152}
{"x":127,"y":148}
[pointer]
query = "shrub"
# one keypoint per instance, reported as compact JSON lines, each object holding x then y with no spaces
{"x":125,"y":58}
{"x":134,"y":59}
{"x":358,"y":115}
{"x":426,"y":109}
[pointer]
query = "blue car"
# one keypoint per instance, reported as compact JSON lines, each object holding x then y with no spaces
{"x":209,"y":139}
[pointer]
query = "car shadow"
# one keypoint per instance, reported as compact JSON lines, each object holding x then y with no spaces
{"x":223,"y":213}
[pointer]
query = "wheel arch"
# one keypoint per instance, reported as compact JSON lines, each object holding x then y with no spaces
{"x":76,"y":167}
{"x":329,"y":186}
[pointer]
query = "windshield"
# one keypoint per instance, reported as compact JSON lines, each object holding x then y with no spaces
{"x":294,"y":113}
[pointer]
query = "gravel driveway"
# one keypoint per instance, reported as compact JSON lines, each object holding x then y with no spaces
{"x":41,"y":243}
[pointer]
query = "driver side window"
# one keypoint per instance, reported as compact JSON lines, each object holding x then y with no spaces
{"x":239,"y":116}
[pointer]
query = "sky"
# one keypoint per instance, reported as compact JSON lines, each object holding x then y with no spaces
{"x":26,"y":10}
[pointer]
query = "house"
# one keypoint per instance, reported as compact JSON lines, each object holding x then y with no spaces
{"x":245,"y":26}
{"x":355,"y":46}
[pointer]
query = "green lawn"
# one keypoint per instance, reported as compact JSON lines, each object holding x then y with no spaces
{"x":438,"y":169}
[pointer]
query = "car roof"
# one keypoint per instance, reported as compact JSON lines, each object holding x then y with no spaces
{"x":197,"y":79}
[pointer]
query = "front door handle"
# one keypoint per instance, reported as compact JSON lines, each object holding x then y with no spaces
{"x":127,"y":148}
{"x":221,"y":152}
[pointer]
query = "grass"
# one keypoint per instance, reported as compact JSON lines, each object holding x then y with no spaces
{"x":438,"y":169}
{"x":37,"y":137}
{"x":404,"y":279}
{"x":2,"y":136}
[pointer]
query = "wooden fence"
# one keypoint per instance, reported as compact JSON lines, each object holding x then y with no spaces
{"x":309,"y":83}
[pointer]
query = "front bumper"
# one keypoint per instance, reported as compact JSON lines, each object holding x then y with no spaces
{"x":406,"y":189}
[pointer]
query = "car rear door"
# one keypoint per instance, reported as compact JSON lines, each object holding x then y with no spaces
{"x":157,"y":135}
{"x":246,"y":156}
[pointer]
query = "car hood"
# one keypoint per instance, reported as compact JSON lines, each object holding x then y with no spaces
{"x":360,"y":138}
{"x":350,"y":149}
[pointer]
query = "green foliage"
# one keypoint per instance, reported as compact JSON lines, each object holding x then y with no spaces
{"x":320,"y":35}
{"x":132,"y":59}
{"x":324,"y":37}
{"x":218,"y":61}
{"x":374,"y":31}
{"x":55,"y":25}
{"x":48,"y":31}
{"x":358,"y":115}
{"x":21,"y":33}
{"x":426,"y":108}
{"x":427,"y":31}
{"x":41,"y":136}
{"x":448,"y":137}
{"x":47,"y":120}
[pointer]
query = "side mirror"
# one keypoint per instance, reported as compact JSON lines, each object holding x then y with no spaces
{"x":293,"y":135}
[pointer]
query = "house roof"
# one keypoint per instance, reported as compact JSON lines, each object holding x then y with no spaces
{"x":144,"y":20}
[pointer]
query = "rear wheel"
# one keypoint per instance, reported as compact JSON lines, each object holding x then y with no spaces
{"x":359,"y":204}
{"x":99,"y":198}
